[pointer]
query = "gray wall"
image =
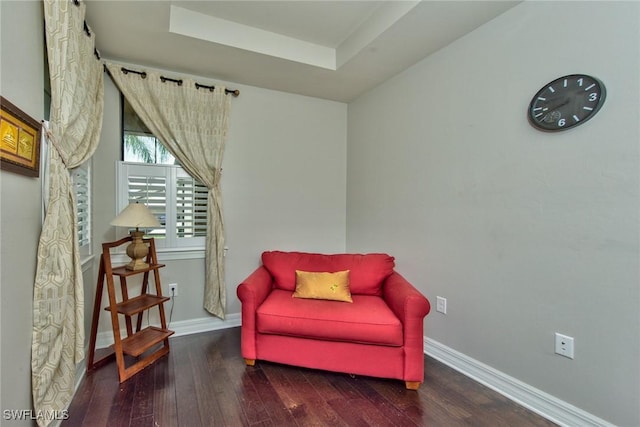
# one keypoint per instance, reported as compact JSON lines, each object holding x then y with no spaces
{"x":21,"y":80}
{"x":525,"y":233}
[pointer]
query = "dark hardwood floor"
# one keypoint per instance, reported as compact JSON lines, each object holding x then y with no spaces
{"x":204,"y":382}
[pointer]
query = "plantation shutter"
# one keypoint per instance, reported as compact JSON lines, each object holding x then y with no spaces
{"x":152,"y":192}
{"x":146,"y":184}
{"x":191,"y":208}
{"x":81,"y":188}
{"x":175,"y":198}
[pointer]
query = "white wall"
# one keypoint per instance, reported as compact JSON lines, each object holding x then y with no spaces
{"x":21,"y":82}
{"x":283,"y":185}
{"x":525,"y":233}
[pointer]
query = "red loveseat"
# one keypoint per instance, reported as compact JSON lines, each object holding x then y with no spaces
{"x":380,"y":334}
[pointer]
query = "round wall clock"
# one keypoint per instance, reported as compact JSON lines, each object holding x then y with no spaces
{"x":566,"y":102}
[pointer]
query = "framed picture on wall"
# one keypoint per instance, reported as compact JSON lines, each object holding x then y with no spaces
{"x":19,"y":140}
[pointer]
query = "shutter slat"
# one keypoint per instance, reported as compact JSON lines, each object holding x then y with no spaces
{"x":152,"y":192}
{"x":81,"y":187}
{"x":191,"y":208}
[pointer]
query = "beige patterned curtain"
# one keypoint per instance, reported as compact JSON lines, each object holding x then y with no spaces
{"x":74,"y":131}
{"x":192,"y":123}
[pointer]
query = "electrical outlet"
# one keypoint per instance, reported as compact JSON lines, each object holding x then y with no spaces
{"x":564,"y":345}
{"x":441,"y":305}
{"x":173,"y":289}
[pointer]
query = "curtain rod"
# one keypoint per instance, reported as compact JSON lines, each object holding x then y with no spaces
{"x":234,"y":92}
{"x":163,"y":79}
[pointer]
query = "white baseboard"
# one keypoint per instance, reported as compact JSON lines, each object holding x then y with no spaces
{"x":183,"y":327}
{"x":550,"y":407}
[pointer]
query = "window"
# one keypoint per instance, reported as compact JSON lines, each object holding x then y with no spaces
{"x":81,"y":181}
{"x":149,"y":174}
{"x":175,"y":198}
{"x":146,"y":149}
{"x":138,"y":143}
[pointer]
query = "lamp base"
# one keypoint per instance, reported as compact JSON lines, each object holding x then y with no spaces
{"x":136,"y":264}
{"x":137,"y":251}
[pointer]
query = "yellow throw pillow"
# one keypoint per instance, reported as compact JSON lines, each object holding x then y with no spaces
{"x":329,"y":286}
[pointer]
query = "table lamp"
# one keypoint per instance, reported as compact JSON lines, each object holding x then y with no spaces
{"x":136,"y":215}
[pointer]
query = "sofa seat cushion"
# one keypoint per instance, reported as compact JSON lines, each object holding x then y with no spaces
{"x":366,"y":271}
{"x":367,"y":320}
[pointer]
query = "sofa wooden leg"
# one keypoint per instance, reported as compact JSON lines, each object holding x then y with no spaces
{"x":412,"y":385}
{"x":250,"y":362}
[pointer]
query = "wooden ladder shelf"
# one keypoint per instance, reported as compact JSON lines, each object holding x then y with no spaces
{"x":145,"y":345}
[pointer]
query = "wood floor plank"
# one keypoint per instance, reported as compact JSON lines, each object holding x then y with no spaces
{"x":390,"y":411}
{"x":353,"y":414}
{"x":224,"y":390}
{"x":208,"y":404}
{"x":276,"y":412}
{"x":421,"y":407}
{"x":186,"y":399}
{"x":80,"y":405}
{"x":106,"y":387}
{"x":311,"y":407}
{"x":165,"y":412}
{"x":286,"y":392}
{"x":249,"y":398}
{"x":204,"y":382}
{"x":122,"y":405}
{"x":143,"y":395}
{"x":147,"y":421}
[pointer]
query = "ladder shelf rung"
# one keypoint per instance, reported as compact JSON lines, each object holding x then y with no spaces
{"x":138,"y":304}
{"x":142,"y":341}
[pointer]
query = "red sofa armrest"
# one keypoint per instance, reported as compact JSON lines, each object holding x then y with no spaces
{"x":403,"y":298}
{"x":411,"y":307}
{"x":252,"y":292}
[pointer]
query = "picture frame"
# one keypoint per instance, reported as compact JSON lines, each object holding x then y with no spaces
{"x":20,"y":136}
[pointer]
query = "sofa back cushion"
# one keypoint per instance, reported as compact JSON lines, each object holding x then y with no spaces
{"x":366,"y":271}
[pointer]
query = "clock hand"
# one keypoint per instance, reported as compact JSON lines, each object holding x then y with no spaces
{"x":555,"y":107}
{"x":551,"y":114}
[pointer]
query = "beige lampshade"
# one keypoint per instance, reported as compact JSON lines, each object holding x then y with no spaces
{"x":136,"y":215}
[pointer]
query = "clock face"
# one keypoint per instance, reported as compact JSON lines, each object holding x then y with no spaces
{"x":566,"y":102}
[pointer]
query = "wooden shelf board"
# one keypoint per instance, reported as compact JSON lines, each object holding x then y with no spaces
{"x":142,"y":341}
{"x":139,"y":304}
{"x":122,"y":271}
